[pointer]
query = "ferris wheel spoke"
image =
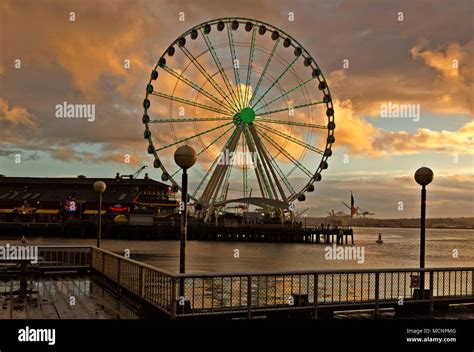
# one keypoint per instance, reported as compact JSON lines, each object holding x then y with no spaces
{"x":262,"y":181}
{"x":286,"y":154}
{"x":214,"y":142}
{"x":267,"y":165}
{"x":195,"y":136}
{"x":292,"y":139}
{"x":206,"y":74}
{"x":185,"y":80}
{"x":275,"y":82}
{"x":192,"y":119}
{"x":285,"y":94}
{"x":215,"y":183}
{"x":291,"y":123}
{"x":225,"y":187}
{"x":215,"y":160}
{"x":236,"y":70}
{"x":189,"y":102}
{"x":220,"y":67}
{"x":262,"y":75}
{"x":279,"y":171}
{"x":250,"y":65}
{"x":245,"y":181}
{"x":207,"y":147}
{"x":291,"y":107}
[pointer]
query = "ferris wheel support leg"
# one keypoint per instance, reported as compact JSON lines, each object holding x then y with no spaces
{"x":218,"y":177}
{"x":267,"y":160}
{"x":262,"y":181}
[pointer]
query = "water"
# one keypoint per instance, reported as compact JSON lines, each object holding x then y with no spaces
{"x":399,"y":250}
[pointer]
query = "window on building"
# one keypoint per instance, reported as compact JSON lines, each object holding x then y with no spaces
{"x":26,"y":196}
{"x":122,"y":196}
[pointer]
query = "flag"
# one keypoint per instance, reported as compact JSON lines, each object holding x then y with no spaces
{"x":353,"y":209}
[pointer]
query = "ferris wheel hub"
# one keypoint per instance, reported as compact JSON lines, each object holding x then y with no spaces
{"x":247,"y":115}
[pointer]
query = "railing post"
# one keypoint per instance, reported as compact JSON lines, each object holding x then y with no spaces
{"x":173,"y":298}
{"x":119,"y":261}
{"x":103,"y":263}
{"x":140,"y":288}
{"x":472,"y":283}
{"x":249,"y":297}
{"x":431,"y":293}
{"x":315,"y":296}
{"x":377,"y":282}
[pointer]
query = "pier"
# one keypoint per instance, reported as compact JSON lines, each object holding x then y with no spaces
{"x":196,"y":231}
{"x":309,"y":294}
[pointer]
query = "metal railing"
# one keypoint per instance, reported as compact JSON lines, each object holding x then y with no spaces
{"x":258,"y":292}
{"x":151,"y":284}
{"x":64,"y":257}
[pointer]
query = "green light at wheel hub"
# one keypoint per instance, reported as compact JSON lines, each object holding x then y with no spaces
{"x":247,"y":115}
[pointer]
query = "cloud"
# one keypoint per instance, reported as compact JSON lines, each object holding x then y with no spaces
{"x":363,"y":139}
{"x":17,"y":115}
{"x":72,"y":153}
{"x":453,"y":87}
{"x":429,"y":80}
{"x":448,"y":196}
{"x":401,"y":142}
{"x":353,"y":131}
{"x":83,"y":61}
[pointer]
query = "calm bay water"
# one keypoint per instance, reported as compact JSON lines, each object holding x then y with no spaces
{"x":399,"y":250}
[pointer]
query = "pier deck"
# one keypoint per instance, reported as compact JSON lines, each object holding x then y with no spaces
{"x":61,"y":296}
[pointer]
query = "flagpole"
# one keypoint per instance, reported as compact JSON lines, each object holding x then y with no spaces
{"x":352,"y":207}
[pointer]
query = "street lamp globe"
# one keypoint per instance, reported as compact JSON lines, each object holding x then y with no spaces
{"x":185,"y":156}
{"x":100,"y":186}
{"x":423,"y":176}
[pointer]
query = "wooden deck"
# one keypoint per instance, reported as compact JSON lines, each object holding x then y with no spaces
{"x":50,"y":297}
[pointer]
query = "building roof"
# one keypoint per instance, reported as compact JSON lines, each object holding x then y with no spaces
{"x":79,"y":180}
{"x":38,"y":189}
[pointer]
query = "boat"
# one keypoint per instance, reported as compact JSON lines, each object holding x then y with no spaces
{"x":379,"y":241}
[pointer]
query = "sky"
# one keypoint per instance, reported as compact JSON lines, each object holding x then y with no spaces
{"x":373,"y":55}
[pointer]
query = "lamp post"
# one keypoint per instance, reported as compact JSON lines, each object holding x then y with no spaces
{"x":99,"y":188}
{"x":185,"y":157}
{"x":423,"y":176}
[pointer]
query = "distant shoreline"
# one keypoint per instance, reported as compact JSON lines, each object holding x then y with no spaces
{"x":459,"y":223}
{"x":413,"y":227}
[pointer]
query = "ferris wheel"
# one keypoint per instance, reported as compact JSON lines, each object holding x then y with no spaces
{"x":254,"y":105}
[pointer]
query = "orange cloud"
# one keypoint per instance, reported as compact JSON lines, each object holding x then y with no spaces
{"x":363,"y":139}
{"x":354,"y":132}
{"x":17,"y":115}
{"x":441,"y":85}
{"x":453,"y":87}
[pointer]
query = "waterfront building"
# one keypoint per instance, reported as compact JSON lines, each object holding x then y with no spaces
{"x":72,"y":199}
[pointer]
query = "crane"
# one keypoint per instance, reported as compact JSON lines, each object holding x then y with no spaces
{"x":302,"y":212}
{"x":359,"y":211}
{"x":365,"y":212}
{"x":135,"y":175}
